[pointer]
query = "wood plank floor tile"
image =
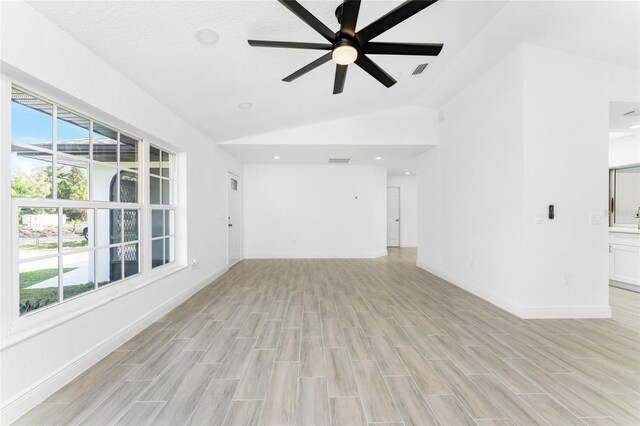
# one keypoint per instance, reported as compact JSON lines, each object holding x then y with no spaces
{"x":289,"y":345}
{"x":243,"y":413}
{"x":140,"y":413}
{"x":347,"y":412}
{"x":218,"y":349}
{"x":214,"y":403}
{"x":386,"y":357}
{"x":412,"y":406}
{"x":281,"y":399}
{"x":351,"y":341}
{"x":376,"y":400}
{"x":257,"y":375}
{"x":187,"y":395}
{"x":448,"y":410}
{"x":313,"y":403}
{"x":340,"y":380}
{"x":311,"y":358}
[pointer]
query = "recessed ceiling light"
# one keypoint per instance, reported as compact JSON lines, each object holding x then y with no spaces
{"x":635,"y":127}
{"x":207,"y":36}
{"x":407,"y":173}
{"x":275,"y":157}
{"x":245,"y":105}
{"x":378,"y":158}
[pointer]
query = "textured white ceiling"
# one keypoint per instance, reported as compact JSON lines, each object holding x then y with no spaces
{"x":154,"y":44}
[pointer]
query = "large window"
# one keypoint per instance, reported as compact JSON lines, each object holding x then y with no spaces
{"x":161,"y":197}
{"x":76,"y":191}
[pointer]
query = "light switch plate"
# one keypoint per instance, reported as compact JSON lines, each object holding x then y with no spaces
{"x":538,"y":219}
{"x":595,"y":218}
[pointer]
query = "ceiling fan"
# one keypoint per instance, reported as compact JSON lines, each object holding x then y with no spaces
{"x":348,"y":46}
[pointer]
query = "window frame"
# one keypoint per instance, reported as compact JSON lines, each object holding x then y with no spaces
{"x":19,"y":327}
{"x":172,"y":206}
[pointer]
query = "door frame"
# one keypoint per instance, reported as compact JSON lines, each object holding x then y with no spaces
{"x":233,"y":174}
{"x":399,"y":213}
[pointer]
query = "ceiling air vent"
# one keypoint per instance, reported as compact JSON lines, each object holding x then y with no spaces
{"x":419,"y":69}
{"x":339,"y":160}
{"x":633,"y":113}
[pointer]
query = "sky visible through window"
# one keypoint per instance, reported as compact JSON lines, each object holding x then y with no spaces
{"x":29,"y":126}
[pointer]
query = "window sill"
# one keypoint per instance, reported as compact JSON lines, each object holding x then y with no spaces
{"x":30,"y":326}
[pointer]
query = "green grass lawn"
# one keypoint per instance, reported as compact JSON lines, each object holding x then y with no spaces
{"x":51,"y":246}
{"x":34,"y":298}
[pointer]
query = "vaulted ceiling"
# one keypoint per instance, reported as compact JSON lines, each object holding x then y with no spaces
{"x":154,"y":44}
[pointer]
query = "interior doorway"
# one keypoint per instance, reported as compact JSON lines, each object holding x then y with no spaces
{"x":393,"y":217}
{"x":234,"y":217}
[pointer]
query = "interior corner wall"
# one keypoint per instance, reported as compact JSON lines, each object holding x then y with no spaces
{"x":566,"y":122}
{"x":314,"y":211}
{"x":408,"y":208}
{"x":34,"y":367}
{"x":470,"y":229}
{"x":530,"y":132}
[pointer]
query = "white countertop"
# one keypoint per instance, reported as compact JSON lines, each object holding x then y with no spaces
{"x":625,"y":230}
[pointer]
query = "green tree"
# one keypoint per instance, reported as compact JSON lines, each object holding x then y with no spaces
{"x":38,"y":184}
{"x":72,"y":183}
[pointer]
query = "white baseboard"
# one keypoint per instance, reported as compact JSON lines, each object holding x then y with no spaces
{"x":525,"y":312}
{"x":20,"y":404}
{"x":316,"y":255}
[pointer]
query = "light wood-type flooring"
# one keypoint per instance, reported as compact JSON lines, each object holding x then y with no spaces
{"x":350,"y":342}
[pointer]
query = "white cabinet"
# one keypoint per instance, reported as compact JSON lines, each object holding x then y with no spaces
{"x":624,"y":258}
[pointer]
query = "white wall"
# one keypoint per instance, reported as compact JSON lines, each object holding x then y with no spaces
{"x":624,"y":151}
{"x":410,"y":125}
{"x":470,"y":230}
{"x":530,"y":132}
{"x":566,"y":126}
{"x":408,"y":208}
{"x":310,"y":211}
{"x":39,"y":356}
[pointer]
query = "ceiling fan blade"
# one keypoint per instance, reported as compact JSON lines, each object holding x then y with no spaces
{"x":418,"y":49}
{"x":313,"y":65}
{"x":350,"y":10}
{"x":391,"y":19}
{"x":289,"y":44}
{"x":341,"y":75}
{"x":309,"y":19}
{"x":375,"y":71}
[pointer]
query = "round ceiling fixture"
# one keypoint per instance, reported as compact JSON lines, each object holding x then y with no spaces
{"x":344,"y":54}
{"x":378,"y":158}
{"x":207,"y":36}
{"x":245,"y":105}
{"x":275,"y":157}
{"x":407,"y":173}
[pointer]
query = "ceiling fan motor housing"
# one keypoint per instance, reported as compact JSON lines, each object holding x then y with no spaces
{"x":348,"y":46}
{"x":339,"y":12}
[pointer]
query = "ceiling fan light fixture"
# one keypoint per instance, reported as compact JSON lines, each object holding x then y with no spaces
{"x":344,"y":54}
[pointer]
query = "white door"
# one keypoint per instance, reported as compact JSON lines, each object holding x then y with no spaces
{"x":235,"y":220}
{"x":393,"y":217}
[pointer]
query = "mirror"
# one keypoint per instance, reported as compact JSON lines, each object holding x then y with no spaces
{"x":624,"y":196}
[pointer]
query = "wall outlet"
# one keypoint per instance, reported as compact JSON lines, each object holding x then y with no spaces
{"x":194,"y":262}
{"x":565,"y":280}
